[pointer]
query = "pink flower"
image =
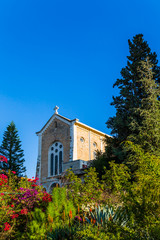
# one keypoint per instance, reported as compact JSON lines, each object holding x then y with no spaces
{"x":47,"y":197}
{"x":7,"y":226}
{"x":13,"y":172}
{"x":24,"y":211}
{"x":3,"y":176}
{"x":78,"y":218}
{"x":3,"y":179}
{"x":12,"y":205}
{"x":14,"y":216}
{"x":34,"y":185}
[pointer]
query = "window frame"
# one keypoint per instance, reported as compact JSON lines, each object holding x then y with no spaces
{"x":55,"y":159}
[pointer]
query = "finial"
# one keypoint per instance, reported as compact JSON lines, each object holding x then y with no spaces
{"x":56,"y":109}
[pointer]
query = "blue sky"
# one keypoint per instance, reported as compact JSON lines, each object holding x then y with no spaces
{"x":66,"y":53}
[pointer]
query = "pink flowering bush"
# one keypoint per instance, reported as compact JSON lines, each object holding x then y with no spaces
{"x":19,"y":196}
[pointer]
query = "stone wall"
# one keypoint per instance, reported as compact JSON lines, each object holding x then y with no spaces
{"x":54,"y":133}
{"x":92,"y":141}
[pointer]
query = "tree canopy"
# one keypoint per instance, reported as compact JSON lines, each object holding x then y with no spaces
{"x":138,"y":87}
{"x":11,"y":149}
{"x":137,"y":107}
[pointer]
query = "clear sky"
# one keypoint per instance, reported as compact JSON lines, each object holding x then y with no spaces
{"x":66,"y":53}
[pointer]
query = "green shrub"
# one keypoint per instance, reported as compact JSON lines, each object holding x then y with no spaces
{"x":58,"y":215}
{"x":90,"y":232}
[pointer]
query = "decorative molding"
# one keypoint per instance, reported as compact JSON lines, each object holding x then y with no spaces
{"x":38,"y":167}
{"x":101,"y":144}
{"x":71,"y":141}
{"x":74,"y":142}
{"x":89,"y":136}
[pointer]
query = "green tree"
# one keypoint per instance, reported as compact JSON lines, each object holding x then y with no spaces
{"x":100,"y":163}
{"x":137,"y":108}
{"x":140,"y":198}
{"x":11,"y":149}
{"x":148,"y":129}
{"x":83,"y":192}
{"x":132,"y":93}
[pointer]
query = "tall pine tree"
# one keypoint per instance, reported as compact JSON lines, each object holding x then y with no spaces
{"x":137,"y":116}
{"x":148,"y":129}
{"x":11,"y":149}
{"x":128,"y":119}
{"x":141,"y":197}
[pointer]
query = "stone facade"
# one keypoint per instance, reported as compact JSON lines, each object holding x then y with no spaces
{"x":92,"y":141}
{"x":61,"y":134}
{"x":76,"y":145}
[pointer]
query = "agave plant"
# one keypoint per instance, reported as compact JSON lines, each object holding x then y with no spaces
{"x":107,"y":214}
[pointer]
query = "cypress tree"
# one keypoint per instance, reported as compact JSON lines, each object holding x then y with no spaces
{"x":137,"y":116}
{"x":11,"y":149}
{"x":132,"y":95}
{"x":149,"y":111}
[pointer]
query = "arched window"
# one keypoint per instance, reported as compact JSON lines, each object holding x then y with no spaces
{"x":55,"y":159}
{"x":53,"y":186}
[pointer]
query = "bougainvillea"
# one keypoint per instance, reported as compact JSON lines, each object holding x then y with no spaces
{"x":7,"y":226}
{"x":14,"y":216}
{"x":46,"y":197}
{"x":24,"y":211}
{"x":19,"y":196}
{"x":3,"y":179}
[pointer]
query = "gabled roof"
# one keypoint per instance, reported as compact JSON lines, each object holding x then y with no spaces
{"x":69,"y":122}
{"x":55,"y":115}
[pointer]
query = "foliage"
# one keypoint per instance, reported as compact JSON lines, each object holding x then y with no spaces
{"x":101,"y":217}
{"x":60,"y":209}
{"x":112,"y":232}
{"x":137,"y":180}
{"x":100,"y":163}
{"x":149,"y":111}
{"x":141,"y":197}
{"x":131,"y":90}
{"x":11,"y":149}
{"x":91,"y":188}
{"x":37,"y":228}
{"x":57,"y":216}
{"x":137,"y":85}
{"x":88,"y":191}
{"x":137,"y":142}
{"x":29,"y":213}
{"x":73,"y":183}
{"x":137,"y":107}
{"x":90,"y":232}
{"x":64,"y":232}
{"x":18,"y":197}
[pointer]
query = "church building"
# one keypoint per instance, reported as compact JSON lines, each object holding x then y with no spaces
{"x":64,"y":144}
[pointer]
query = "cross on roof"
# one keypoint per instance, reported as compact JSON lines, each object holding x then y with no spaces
{"x":56,"y":109}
